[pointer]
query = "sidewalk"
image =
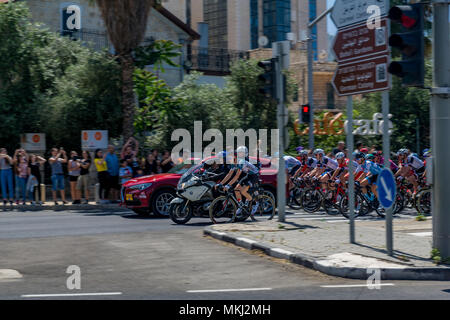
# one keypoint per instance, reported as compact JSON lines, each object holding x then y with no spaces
{"x":325,"y":246}
{"x":50,"y":205}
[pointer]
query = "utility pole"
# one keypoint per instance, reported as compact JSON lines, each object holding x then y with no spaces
{"x":440,"y":127}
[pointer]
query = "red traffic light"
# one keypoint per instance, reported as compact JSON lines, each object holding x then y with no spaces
{"x":306,"y":109}
{"x":406,"y":15}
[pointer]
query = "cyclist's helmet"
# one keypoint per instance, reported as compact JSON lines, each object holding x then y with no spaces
{"x":242,"y":149}
{"x":299,"y":150}
{"x":340,"y":155}
{"x":402,"y":151}
{"x":319,"y":151}
{"x":359,"y":155}
{"x":370,"y":156}
{"x":303,"y":153}
{"x":426,"y":153}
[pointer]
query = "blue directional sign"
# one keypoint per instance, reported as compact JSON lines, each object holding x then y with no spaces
{"x":386,"y":188}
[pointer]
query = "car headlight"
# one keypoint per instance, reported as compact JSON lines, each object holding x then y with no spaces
{"x":141,"y":186}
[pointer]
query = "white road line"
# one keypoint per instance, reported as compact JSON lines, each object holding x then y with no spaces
{"x":422,"y":234}
{"x":71,"y":294}
{"x":356,"y":285}
{"x":228,"y":290}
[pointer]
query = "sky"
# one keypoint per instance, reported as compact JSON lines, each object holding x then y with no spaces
{"x":331,"y":29}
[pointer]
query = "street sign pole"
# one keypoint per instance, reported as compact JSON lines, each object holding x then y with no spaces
{"x":351,"y":176}
{"x":280,"y":53}
{"x":440,"y":126}
{"x":310,"y":90}
{"x":386,"y":152}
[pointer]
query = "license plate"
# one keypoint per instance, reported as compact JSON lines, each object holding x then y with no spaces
{"x":129,"y":197}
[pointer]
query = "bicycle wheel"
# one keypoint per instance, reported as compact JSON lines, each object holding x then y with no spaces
{"x":294,"y":204}
{"x":361,"y":206}
{"x":399,"y":203}
{"x":328,"y":203}
{"x":266,"y":206}
{"x":222,"y":210}
{"x":424,"y":202}
{"x":311,"y":200}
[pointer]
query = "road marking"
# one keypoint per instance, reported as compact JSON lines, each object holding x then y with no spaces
{"x":71,"y":294}
{"x":356,"y":285}
{"x":421,"y":234}
{"x":228,"y":290}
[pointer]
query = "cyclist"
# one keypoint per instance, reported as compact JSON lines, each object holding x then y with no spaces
{"x":379,"y":159}
{"x":246,"y":175}
{"x":340,"y":173}
{"x":373,"y":170}
{"x":411,"y":167}
{"x":325,"y":166}
{"x":308,"y":164}
{"x":357,"y":164}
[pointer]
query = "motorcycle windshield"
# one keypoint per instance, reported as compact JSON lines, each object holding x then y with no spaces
{"x":188,"y":174}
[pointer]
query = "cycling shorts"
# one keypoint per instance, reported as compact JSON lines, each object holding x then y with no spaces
{"x":294,"y":169}
{"x":249,"y":180}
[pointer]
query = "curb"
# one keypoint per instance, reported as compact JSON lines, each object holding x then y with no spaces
{"x":406,"y":273}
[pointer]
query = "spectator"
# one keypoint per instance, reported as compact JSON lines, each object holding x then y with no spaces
{"x":364,"y":150}
{"x":16,"y":174}
{"x":125,"y":173}
{"x":359,"y":145}
{"x":139,"y":172}
{"x":6,"y":176}
{"x":35,"y":169}
{"x":112,"y":163}
{"x":157,"y":161}
{"x":74,"y":172}
{"x":57,"y":173}
{"x":129,"y":153}
{"x":23,"y":171}
{"x":340,"y":148}
{"x":83,"y":179}
{"x":102,"y":174}
{"x":166,"y":163}
{"x":149,"y":166}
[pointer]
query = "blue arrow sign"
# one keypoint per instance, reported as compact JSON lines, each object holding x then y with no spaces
{"x":386,"y":188}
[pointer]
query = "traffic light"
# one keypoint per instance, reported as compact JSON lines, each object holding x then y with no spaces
{"x":268,"y":78}
{"x":410,"y":42}
{"x":306,"y":113}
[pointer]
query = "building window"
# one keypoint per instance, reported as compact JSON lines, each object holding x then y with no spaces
{"x":312,"y":16}
{"x":215,"y":15}
{"x":277,"y":19}
{"x":254,"y":23}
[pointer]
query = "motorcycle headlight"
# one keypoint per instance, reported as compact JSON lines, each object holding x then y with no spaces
{"x":141,"y":186}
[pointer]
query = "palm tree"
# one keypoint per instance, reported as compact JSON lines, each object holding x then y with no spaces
{"x":126,"y":22}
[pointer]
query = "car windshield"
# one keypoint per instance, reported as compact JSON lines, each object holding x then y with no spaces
{"x":181,"y":168}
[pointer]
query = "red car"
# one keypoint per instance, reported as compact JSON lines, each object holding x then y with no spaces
{"x":154,"y":193}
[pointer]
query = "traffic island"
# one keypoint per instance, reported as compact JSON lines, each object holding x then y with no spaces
{"x":325,"y":247}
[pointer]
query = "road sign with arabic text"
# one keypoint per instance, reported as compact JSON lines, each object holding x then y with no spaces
{"x":362,"y":76}
{"x":358,"y":42}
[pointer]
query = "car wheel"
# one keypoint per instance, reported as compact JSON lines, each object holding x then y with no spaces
{"x":161,"y":202}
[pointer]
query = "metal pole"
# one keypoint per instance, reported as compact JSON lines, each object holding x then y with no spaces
{"x":310,"y":90}
{"x":351,"y":176}
{"x":281,"y":175}
{"x":440,"y":126}
{"x":386,"y":152}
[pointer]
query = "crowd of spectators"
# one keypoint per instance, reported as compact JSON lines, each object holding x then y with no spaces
{"x":21,"y":174}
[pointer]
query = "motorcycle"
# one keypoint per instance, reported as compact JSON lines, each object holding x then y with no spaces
{"x":194,"y":196}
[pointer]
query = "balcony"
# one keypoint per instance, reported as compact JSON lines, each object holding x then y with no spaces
{"x":212,"y":61}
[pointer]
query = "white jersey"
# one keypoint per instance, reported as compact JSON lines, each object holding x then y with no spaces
{"x":291,"y":162}
{"x":328,"y":163}
{"x":414,"y":162}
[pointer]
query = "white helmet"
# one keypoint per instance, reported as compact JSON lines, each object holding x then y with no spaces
{"x":319,"y":151}
{"x":242,"y":149}
{"x":340,"y":155}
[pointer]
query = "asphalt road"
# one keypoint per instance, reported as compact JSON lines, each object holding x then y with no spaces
{"x":123,"y":256}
